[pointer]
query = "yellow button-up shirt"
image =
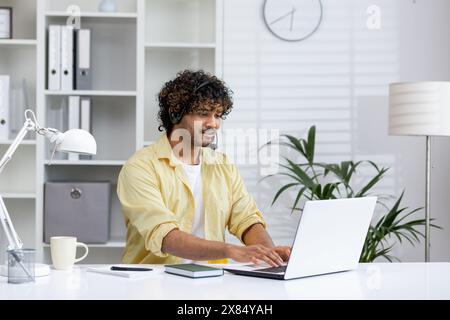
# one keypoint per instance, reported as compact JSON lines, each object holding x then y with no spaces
{"x":156,"y":198}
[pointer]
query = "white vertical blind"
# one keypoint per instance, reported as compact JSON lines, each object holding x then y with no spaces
{"x":323,"y":81}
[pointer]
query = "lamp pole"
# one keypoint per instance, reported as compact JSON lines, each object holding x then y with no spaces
{"x":421,"y":109}
{"x":427,"y":199}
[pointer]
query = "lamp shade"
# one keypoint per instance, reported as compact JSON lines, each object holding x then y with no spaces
{"x":78,"y":141}
{"x":419,"y":108}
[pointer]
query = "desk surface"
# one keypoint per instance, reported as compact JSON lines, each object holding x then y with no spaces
{"x":370,"y":281}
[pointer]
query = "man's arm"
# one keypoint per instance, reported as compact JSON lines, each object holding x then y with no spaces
{"x":257,"y":234}
{"x":187,"y":246}
{"x":246,"y":221}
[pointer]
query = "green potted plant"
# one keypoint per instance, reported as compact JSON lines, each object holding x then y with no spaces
{"x":321,"y":181}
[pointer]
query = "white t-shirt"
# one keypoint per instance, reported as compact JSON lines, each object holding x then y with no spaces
{"x":194,"y":177}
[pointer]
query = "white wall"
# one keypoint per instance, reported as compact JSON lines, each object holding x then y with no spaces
{"x":338,"y":80}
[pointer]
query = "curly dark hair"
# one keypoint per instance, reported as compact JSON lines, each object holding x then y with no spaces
{"x":192,"y":92}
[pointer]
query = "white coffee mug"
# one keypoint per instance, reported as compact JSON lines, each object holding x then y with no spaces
{"x":63,"y":250}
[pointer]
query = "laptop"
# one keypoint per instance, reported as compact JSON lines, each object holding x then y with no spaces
{"x":330,"y":237}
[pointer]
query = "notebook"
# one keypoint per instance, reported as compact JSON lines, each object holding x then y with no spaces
{"x":192,"y":270}
{"x":124,"y":274}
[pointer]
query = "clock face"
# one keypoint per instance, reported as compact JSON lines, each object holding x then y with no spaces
{"x":292,"y":20}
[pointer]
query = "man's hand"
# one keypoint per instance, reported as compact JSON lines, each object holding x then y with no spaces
{"x":284,"y":252}
{"x":274,"y":256}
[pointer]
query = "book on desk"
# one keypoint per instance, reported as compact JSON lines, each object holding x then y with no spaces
{"x":192,"y":270}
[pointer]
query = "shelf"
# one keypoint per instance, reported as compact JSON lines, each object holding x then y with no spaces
{"x":17,"y":42}
{"x":18,"y":195}
{"x":109,"y":244}
{"x":105,"y":93}
{"x":195,"y":21}
{"x":106,"y":15}
{"x":85,"y":162}
{"x":24,"y":18}
{"x":180,"y":45}
{"x":147,"y":143}
{"x":24,"y":142}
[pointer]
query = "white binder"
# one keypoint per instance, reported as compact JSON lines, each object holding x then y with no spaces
{"x":74,"y":119}
{"x":67,"y":58}
{"x":85,"y":120}
{"x":4,"y":107}
{"x":57,"y":118}
{"x":54,"y":57}
{"x":83,"y":60}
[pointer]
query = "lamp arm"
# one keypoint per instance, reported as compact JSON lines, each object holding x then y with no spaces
{"x":53,"y":135}
{"x":30,"y":124}
{"x":27,"y":126}
{"x":14,"y":241}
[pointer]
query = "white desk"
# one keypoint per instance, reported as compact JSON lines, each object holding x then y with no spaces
{"x":370,"y":281}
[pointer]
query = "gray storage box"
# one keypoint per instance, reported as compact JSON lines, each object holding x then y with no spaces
{"x":79,"y":209}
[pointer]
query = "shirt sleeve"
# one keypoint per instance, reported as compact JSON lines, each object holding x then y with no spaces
{"x":244,"y":212}
{"x":143,"y":206}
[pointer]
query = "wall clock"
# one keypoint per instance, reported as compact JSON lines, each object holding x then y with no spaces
{"x":292,"y":20}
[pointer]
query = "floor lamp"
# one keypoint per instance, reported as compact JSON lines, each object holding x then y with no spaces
{"x":421,"y":109}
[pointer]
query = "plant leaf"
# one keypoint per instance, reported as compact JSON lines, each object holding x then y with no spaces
{"x":299,"y":172}
{"x":295,"y":144}
{"x":371,"y":183}
{"x":299,"y":195}
{"x":310,"y":145}
{"x":284,"y":188}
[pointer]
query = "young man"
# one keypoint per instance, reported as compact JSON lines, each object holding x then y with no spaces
{"x":178,"y":195}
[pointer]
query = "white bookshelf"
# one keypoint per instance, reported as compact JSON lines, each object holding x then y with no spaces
{"x":24,"y":21}
{"x":86,"y":6}
{"x":104,"y":93}
{"x":85,"y":163}
{"x":24,"y":142}
{"x":110,"y":244}
{"x":18,"y":180}
{"x":19,"y":196}
{"x":113,"y":243}
{"x":194,"y":42}
{"x":19,"y":177}
{"x":134,"y":52}
{"x":180,"y":45}
{"x":95,"y":15}
{"x":147,"y":143}
{"x":4,"y":43}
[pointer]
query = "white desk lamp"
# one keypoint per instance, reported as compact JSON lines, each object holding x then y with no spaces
{"x":74,"y":140}
{"x":421,"y":109}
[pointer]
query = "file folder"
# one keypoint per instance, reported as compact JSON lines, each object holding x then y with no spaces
{"x":85,"y":120}
{"x":74,"y":120}
{"x":4,"y":107}
{"x":57,"y":118}
{"x":67,"y":54}
{"x":54,"y":57}
{"x":83,"y":60}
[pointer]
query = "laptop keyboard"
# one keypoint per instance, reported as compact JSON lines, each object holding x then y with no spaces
{"x":274,"y":269}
